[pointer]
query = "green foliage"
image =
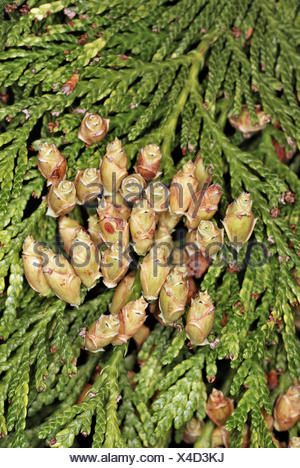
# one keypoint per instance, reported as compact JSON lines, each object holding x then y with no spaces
{"x":166,"y":73}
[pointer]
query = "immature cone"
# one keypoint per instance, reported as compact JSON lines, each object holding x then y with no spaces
{"x":200,"y":319}
{"x":62,"y":278}
{"x":183,"y":185}
{"x":157,"y":195}
{"x":33,"y":266}
{"x":93,"y":128}
{"x":148,"y":161}
{"x":141,"y":335}
{"x":203,"y":177}
{"x":119,"y":204}
{"x":241,"y":206}
{"x":51,"y":163}
{"x":169,"y":219}
{"x":111,"y":206}
{"x":132,"y":316}
{"x":192,"y":430}
{"x":219,"y":407}
{"x":101,"y":333}
{"x":94,"y":229}
{"x":239,"y":221}
{"x":122,"y":293}
{"x":113,"y":167}
{"x":113,"y":229}
{"x":209,"y":238}
{"x":61,"y":198}
{"x":106,"y":208}
{"x":70,"y":85}
{"x":243,"y":122}
{"x":154,"y":271}
{"x":287,"y":409}
{"x":220,"y":437}
{"x":85,"y":259}
{"x":68,"y":228}
{"x":197,"y":265}
{"x":114,"y":265}
{"x":294,"y":442}
{"x":88,"y":185}
{"x":132,"y":187}
{"x":142,"y":226}
{"x":204,"y":205}
{"x":173,"y":295}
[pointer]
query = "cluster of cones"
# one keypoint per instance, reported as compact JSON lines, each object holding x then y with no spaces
{"x":137,"y":212}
